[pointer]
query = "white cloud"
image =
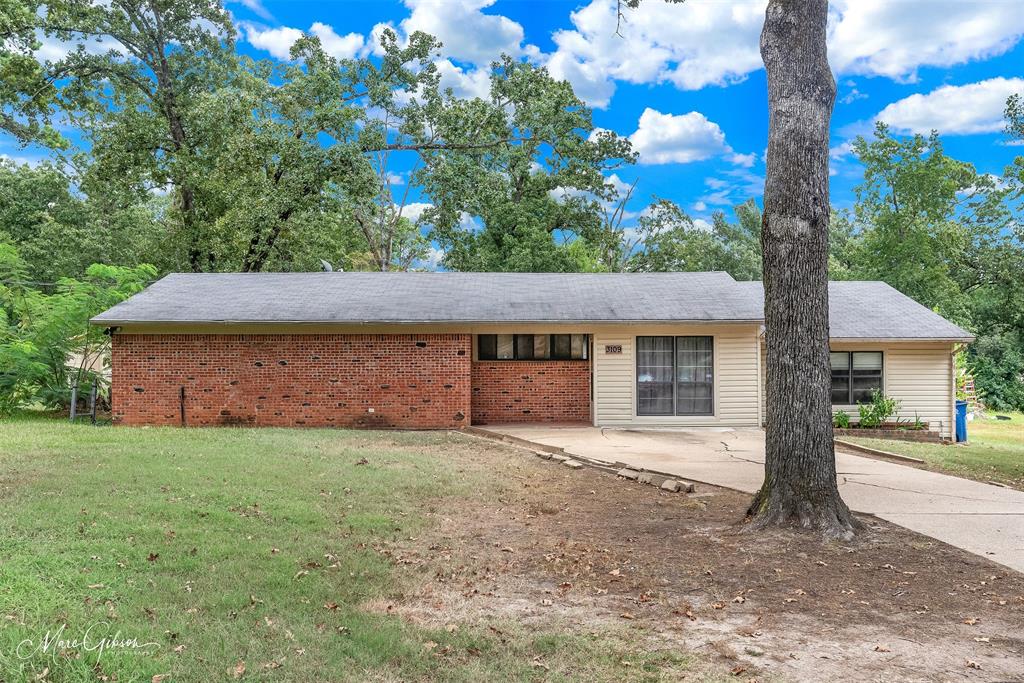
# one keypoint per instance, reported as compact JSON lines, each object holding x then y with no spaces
{"x":954,"y":109}
{"x":257,"y":7}
{"x":414,"y":210}
{"x":340,"y":47}
{"x":738,"y":186}
{"x":681,"y":139}
{"x":708,"y":42}
{"x":841,"y":150}
{"x":432,"y":260}
{"x":699,"y":43}
{"x":464,"y":83}
{"x":744,"y":160}
{"x":894,"y":38}
{"x":467,"y":34}
{"x":278,"y":41}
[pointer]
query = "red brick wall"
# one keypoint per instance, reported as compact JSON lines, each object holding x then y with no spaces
{"x":531,"y":391}
{"x":293,"y":380}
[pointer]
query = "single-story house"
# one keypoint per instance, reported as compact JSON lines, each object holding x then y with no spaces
{"x":446,"y":350}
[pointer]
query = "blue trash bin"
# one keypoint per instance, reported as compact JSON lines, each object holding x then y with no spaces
{"x":961,"y":421}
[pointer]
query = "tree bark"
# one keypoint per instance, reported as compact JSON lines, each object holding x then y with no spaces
{"x":800,"y":466}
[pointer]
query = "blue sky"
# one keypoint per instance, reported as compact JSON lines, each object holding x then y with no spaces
{"x":685,"y":81}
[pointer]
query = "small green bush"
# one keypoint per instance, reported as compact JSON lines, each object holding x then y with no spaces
{"x":880,"y":409}
{"x":841,"y":420}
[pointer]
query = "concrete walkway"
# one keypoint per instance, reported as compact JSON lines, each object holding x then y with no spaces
{"x":980,"y":518}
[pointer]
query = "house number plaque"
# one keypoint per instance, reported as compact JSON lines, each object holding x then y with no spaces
{"x":613,"y":348}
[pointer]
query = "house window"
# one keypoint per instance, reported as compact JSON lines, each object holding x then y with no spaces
{"x":533,"y":346}
{"x":855,"y":375}
{"x":675,"y":375}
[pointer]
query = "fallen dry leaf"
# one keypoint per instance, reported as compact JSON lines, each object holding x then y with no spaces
{"x":331,"y":605}
{"x":971,"y":621}
{"x":982,"y":639}
{"x":238,"y":670}
{"x":627,"y":615}
{"x":160,"y":678}
{"x":739,"y":599}
{"x":152,"y":557}
{"x":737,"y":670}
{"x":971,"y":664}
{"x":882,"y":648}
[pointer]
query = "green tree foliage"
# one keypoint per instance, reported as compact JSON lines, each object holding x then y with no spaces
{"x":46,"y":343}
{"x":60,"y":232}
{"x":26,"y":93}
{"x":276,"y":166}
{"x":950,"y":237}
{"x":671,"y":241}
{"x":527,"y":164}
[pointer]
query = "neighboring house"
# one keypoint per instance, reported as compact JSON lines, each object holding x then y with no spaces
{"x":444,"y":350}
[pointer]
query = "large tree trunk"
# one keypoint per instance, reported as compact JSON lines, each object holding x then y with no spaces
{"x":800,"y":465}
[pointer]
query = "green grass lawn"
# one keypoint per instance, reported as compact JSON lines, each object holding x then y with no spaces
{"x":994,"y":451}
{"x":229,"y":546}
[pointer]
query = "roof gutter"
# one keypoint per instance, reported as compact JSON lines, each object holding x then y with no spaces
{"x":618,"y":321}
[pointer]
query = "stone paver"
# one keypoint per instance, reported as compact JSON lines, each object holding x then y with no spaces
{"x":980,"y":518}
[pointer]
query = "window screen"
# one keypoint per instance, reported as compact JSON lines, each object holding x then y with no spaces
{"x":855,"y":375}
{"x":533,"y":346}
{"x":506,"y":348}
{"x":840,"y":378}
{"x":867,"y":375}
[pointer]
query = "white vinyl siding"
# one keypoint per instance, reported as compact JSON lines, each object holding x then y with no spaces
{"x":922,"y":379}
{"x":918,"y":374}
{"x":735,"y":376}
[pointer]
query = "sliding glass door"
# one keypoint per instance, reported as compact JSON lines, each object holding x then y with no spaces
{"x":675,"y":375}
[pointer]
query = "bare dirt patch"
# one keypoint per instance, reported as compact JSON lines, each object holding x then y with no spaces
{"x":584,"y":549}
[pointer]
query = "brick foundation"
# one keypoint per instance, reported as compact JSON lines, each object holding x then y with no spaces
{"x":410,"y":381}
{"x":918,"y":435}
{"x":531,"y":391}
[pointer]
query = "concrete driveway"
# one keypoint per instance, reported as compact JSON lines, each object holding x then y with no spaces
{"x":980,"y":518}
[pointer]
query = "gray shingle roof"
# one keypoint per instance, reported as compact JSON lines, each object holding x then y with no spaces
{"x":874,"y":310}
{"x":859,"y":310}
{"x":437,"y":297}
